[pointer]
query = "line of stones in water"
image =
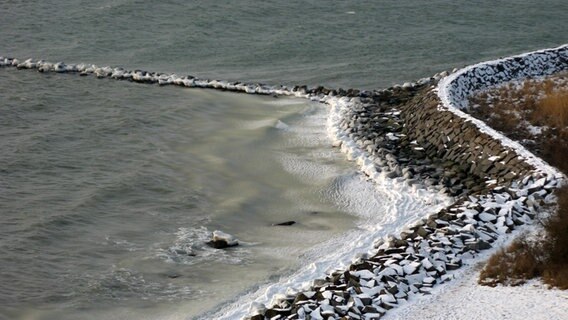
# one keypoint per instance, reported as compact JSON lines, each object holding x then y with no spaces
{"x":404,"y":134}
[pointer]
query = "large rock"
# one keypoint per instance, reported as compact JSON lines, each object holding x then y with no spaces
{"x":221,"y":240}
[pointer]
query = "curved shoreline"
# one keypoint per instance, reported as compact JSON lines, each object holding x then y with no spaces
{"x":414,"y":135}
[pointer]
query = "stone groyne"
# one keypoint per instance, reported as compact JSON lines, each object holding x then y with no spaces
{"x":416,"y":134}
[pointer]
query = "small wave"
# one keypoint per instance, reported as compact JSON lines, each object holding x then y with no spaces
{"x":126,"y":284}
{"x":281,"y":125}
{"x":122,"y":244}
{"x":265,"y":124}
{"x":306,"y":168}
{"x":286,"y":102}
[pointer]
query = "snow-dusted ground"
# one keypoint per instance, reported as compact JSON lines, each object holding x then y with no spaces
{"x":464,"y":299}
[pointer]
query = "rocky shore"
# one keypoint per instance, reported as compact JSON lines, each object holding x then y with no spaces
{"x":414,"y":133}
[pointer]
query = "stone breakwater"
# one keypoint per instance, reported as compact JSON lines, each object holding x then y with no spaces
{"x":454,"y":90}
{"x":417,"y":135}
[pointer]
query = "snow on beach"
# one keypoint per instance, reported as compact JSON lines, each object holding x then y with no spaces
{"x":463,"y":298}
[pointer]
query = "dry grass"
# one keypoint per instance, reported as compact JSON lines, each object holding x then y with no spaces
{"x":524,"y":260}
{"x":511,"y":266}
{"x":511,"y":109}
{"x":553,"y":109}
{"x":556,"y":276}
{"x":555,"y":149}
{"x":555,"y":269}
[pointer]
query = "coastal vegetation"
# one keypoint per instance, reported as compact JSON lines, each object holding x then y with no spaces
{"x":534,"y":112}
{"x":528,"y":257}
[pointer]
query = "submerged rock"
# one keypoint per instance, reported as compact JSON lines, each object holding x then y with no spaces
{"x":222,"y":240}
{"x":183,"y":252}
{"x":173,"y":275}
{"x":285,"y":223}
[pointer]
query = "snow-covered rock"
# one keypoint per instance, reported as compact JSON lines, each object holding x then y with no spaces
{"x":221,"y":240}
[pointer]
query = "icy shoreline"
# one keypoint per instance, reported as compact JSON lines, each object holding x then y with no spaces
{"x":424,"y":255}
{"x":398,"y":138}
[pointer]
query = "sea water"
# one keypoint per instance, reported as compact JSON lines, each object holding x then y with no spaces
{"x":108,"y":190}
{"x":109,"y":193}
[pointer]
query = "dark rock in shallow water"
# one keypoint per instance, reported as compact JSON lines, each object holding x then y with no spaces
{"x":219,"y":244}
{"x":286,"y":223}
{"x":222,"y":240}
{"x":183,"y":251}
{"x":173,"y":275}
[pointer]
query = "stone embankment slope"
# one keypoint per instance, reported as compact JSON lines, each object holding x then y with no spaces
{"x":417,"y":134}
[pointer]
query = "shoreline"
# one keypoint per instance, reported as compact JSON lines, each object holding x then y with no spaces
{"x":402,"y":134}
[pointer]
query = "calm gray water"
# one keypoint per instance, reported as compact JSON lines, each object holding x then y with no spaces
{"x":109,"y":193}
{"x":104,"y":185}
